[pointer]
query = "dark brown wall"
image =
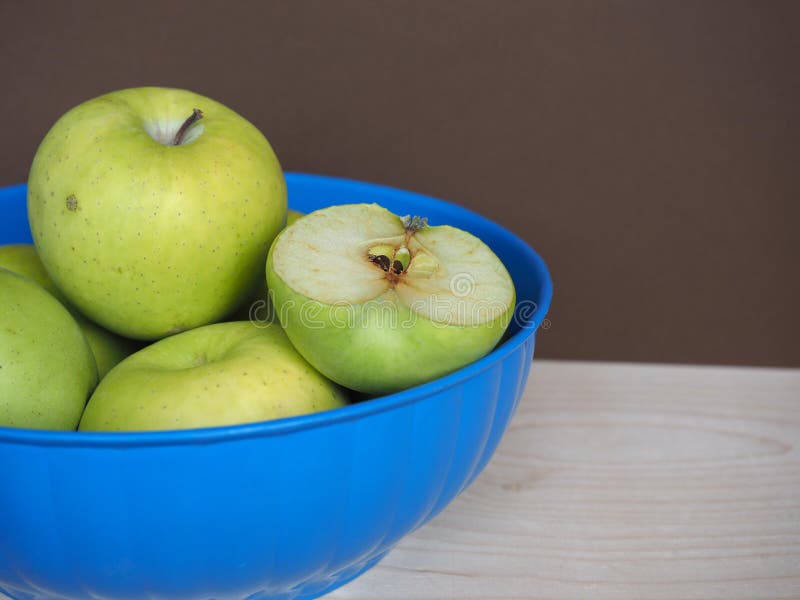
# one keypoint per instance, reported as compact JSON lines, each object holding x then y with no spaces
{"x":649,"y":150}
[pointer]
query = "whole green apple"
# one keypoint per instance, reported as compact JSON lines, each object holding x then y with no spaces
{"x":108,"y":349}
{"x":220,"y":374}
{"x":153,"y":209}
{"x":47,"y":370}
{"x":379,"y":303}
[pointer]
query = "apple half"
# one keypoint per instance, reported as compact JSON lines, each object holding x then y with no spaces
{"x":380,"y":303}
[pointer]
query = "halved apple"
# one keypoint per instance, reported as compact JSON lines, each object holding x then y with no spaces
{"x":380,"y":303}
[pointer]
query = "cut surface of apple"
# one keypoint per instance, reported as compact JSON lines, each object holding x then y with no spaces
{"x":379,"y":303}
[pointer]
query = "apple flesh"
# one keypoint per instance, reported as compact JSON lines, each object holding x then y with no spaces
{"x":380,"y":303}
{"x":221,"y":374}
{"x":47,"y":370}
{"x":153,"y":217}
{"x":108,"y":349}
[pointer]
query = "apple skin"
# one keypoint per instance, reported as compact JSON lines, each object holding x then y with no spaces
{"x":221,"y":374}
{"x":149,"y":239}
{"x":108,"y":348}
{"x":48,"y":370}
{"x":371,"y":357}
{"x":292,"y":216}
{"x":259,"y":308}
{"x":380,"y":344}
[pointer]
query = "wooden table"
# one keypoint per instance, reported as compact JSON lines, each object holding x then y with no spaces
{"x":626,"y":482}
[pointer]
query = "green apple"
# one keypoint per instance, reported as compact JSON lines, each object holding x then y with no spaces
{"x":47,"y":370}
{"x":379,"y":303}
{"x":292,"y":216}
{"x":23,"y":260}
{"x":108,"y":349}
{"x":220,"y":374}
{"x":258,"y":308}
{"x":153,"y":209}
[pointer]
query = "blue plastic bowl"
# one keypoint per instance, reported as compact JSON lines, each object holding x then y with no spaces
{"x":285,"y":509}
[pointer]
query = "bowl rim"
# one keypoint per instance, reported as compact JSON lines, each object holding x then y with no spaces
{"x":358,"y":410}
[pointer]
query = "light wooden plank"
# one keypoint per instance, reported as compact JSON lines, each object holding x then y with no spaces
{"x":622,"y":481}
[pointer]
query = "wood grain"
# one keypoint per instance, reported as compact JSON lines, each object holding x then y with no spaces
{"x":622,"y":481}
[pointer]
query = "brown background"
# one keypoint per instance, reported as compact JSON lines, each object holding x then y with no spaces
{"x":648,"y":150}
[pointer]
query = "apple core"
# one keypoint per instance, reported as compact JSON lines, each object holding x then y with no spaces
{"x":395,"y":259}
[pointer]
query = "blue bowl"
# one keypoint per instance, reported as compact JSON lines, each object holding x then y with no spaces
{"x":287,"y":509}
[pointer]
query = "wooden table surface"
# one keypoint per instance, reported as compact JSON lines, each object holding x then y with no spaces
{"x":622,"y":481}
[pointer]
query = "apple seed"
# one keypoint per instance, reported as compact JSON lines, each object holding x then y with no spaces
{"x":403,"y":256}
{"x":383,"y":261}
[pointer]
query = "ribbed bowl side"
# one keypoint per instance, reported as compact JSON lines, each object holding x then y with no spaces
{"x":282,"y":516}
{"x":285,"y":512}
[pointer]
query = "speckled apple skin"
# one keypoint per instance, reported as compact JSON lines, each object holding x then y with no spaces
{"x":148,"y":239}
{"x":220,"y":374}
{"x":108,"y":348}
{"x":47,"y":370}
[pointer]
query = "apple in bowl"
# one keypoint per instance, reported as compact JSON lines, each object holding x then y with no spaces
{"x":220,"y":374}
{"x":153,"y":209}
{"x":108,"y":348}
{"x":47,"y":370}
{"x":380,"y":303}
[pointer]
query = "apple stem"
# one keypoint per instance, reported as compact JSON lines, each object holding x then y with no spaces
{"x":414,"y":224}
{"x":196,"y":115}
